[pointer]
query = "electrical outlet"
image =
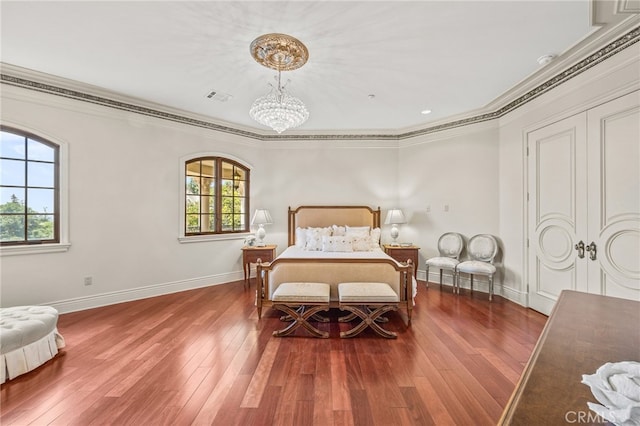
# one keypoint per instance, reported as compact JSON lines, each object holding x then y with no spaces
{"x":446,"y":207}
{"x":88,"y":280}
{"x":428,"y":209}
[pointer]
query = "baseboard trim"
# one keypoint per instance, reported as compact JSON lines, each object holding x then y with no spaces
{"x":479,"y":285}
{"x":516,"y":296}
{"x":128,"y":295}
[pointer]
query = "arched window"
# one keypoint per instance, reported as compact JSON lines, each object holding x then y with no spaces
{"x":216,"y":196}
{"x":29,"y":189}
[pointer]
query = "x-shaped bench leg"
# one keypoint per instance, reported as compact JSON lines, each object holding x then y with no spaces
{"x":300,"y":310}
{"x":352,"y":316}
{"x":299,"y":318}
{"x":368,"y":317}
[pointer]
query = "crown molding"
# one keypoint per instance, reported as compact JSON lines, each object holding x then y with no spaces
{"x":531,"y":88}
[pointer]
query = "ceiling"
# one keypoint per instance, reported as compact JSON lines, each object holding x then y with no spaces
{"x":373,"y":66}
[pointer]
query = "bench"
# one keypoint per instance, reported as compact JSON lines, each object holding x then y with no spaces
{"x":302,"y":301}
{"x":28,"y":338}
{"x":367,"y":301}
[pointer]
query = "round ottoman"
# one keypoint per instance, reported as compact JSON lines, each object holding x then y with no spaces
{"x":28,"y":338}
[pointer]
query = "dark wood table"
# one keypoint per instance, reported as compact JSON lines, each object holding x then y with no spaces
{"x":583,"y":332}
{"x":402,"y":253}
{"x":251,"y":254}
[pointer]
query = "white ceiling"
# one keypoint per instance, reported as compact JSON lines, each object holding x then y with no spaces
{"x":448,"y":56}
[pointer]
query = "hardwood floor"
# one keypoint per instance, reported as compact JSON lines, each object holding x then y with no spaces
{"x":203,"y":357}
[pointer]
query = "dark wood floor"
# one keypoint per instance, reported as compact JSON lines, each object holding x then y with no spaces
{"x":203,"y":357}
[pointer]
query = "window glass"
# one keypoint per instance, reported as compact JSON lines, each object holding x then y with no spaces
{"x":13,"y":172}
{"x":42,"y":174}
{"x":12,"y":146}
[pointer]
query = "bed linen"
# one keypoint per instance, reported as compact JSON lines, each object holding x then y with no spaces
{"x":295,"y":252}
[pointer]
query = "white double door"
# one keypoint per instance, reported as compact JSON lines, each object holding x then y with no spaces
{"x":584,"y":204}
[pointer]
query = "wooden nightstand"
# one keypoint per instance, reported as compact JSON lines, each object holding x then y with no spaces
{"x":402,"y":253}
{"x":251,"y":254}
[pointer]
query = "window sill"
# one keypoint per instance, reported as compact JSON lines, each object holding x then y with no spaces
{"x":34,"y":249}
{"x":216,"y":237}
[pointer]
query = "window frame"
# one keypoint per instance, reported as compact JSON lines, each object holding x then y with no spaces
{"x":218,"y":233}
{"x":60,"y":240}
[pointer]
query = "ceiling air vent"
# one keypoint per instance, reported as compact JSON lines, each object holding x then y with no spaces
{"x":219,"y":96}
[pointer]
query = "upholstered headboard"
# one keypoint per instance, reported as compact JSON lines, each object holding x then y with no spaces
{"x":322,"y":216}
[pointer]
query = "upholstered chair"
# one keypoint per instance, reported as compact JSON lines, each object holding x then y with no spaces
{"x":482,"y":250}
{"x":450,"y":246}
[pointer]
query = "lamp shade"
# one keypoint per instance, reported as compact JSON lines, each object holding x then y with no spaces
{"x":261,"y":217}
{"x":394,"y":216}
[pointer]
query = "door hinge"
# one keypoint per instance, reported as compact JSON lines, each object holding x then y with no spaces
{"x":527,"y":150}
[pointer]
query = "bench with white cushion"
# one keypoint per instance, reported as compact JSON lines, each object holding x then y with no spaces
{"x":368,"y":301}
{"x":28,"y":338}
{"x":302,"y":301}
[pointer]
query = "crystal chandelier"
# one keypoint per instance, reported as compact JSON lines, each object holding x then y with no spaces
{"x":278,"y":109}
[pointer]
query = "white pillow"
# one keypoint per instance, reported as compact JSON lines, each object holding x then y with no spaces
{"x":314,"y":238}
{"x":375,"y":238}
{"x":339,"y":243}
{"x":361,"y":243}
{"x":339,"y":231}
{"x":301,"y":237}
{"x":357,"y":231}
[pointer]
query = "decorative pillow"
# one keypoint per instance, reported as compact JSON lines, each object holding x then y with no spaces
{"x":339,"y":231}
{"x":301,"y":237}
{"x":375,"y":238}
{"x":357,"y":231}
{"x":314,"y":238}
{"x":339,"y":243}
{"x":361,"y":243}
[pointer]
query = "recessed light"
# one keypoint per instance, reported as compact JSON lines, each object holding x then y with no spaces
{"x":545,"y":59}
{"x":425,"y":111}
{"x":371,"y":96}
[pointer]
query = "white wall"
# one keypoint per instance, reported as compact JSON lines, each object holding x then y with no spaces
{"x":125,"y":179}
{"x":328,"y":173}
{"x":449,"y":183}
{"x":124,"y":196}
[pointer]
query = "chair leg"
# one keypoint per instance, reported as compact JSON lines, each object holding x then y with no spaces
{"x":427,"y":281}
{"x":490,"y":287}
{"x":440,"y":279}
{"x":471,"y":284}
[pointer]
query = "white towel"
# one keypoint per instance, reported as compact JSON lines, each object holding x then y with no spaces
{"x":617,"y":387}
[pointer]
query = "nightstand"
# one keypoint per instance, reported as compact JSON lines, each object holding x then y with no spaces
{"x":402,"y":253}
{"x":251,"y":254}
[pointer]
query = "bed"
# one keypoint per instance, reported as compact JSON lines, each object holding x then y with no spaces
{"x":328,"y":259}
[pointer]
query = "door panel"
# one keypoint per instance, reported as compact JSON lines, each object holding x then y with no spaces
{"x":614,"y":197}
{"x":557,"y":200}
{"x":584,"y":185}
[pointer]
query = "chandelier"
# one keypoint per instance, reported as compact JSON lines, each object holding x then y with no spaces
{"x":278,"y":109}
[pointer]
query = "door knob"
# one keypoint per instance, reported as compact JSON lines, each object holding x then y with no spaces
{"x":591,"y":248}
{"x":580,"y":248}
